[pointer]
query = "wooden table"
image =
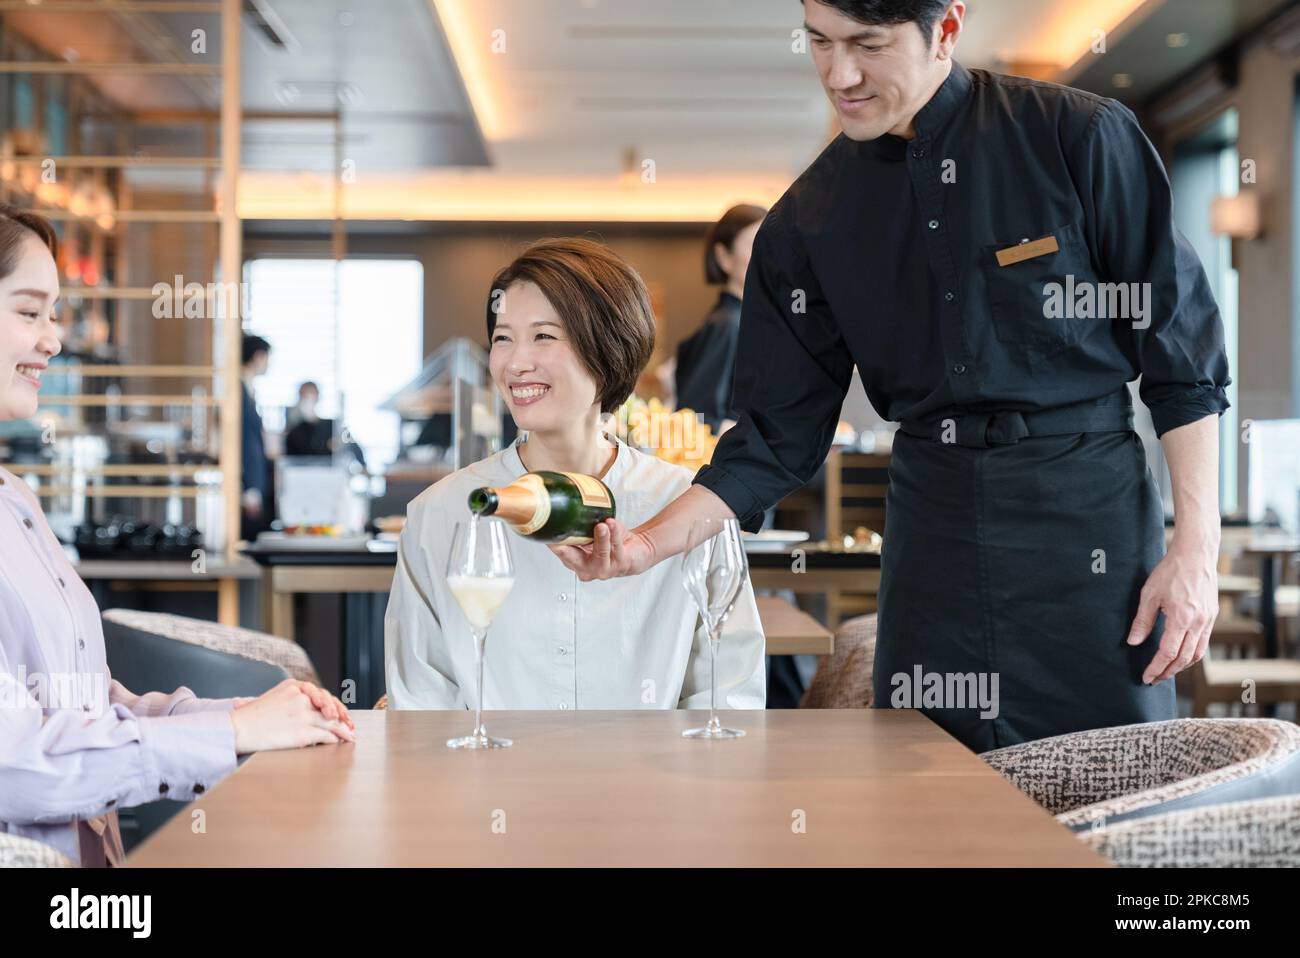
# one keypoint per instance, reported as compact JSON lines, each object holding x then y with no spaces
{"x":791,"y":631}
{"x":1270,"y":547}
{"x":871,"y":786}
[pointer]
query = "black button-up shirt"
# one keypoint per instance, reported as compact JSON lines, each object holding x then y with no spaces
{"x":883,"y":254}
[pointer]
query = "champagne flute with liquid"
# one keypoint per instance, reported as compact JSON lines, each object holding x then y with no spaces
{"x":480,"y":574}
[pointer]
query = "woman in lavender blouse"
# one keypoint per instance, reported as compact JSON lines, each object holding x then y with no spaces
{"x":75,"y":745}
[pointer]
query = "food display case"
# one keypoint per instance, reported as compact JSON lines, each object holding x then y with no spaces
{"x":451,"y":413}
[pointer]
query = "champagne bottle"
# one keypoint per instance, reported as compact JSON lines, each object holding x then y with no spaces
{"x":559,"y":507}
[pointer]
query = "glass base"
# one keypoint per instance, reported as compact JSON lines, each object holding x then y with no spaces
{"x":713,"y":731}
{"x":478,"y":740}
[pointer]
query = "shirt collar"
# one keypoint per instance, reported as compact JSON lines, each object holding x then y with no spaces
{"x":943,"y":106}
{"x":931,"y":118}
{"x":611,"y":477}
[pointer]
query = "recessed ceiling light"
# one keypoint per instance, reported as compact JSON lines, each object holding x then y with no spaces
{"x":1122,"y":80}
{"x":345,"y":18}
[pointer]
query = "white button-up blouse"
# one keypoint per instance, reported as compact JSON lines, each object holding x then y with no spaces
{"x":74,"y":744}
{"x":556,"y":642}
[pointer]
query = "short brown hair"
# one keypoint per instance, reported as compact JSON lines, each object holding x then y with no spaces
{"x":725,"y":231}
{"x":17,"y":225}
{"x":602,"y":302}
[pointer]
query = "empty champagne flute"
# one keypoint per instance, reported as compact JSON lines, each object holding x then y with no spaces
{"x":714,"y":570}
{"x":480,"y":574}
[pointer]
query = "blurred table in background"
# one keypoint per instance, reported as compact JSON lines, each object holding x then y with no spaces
{"x":363,"y":577}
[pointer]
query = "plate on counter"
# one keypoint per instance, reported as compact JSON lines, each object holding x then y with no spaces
{"x":773,"y":540}
{"x":311,"y":543}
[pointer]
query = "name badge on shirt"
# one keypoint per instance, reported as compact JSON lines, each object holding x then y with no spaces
{"x":1018,"y":254}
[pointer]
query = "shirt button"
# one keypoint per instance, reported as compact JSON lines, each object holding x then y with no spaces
{"x":562,"y":650}
{"x":934,"y":224}
{"x":919,"y":154}
{"x":62,"y":583}
{"x":81,"y":643}
{"x":959,"y":369}
{"x":563,"y":597}
{"x":199,"y":789}
{"x":85,"y":708}
{"x":950,"y":296}
{"x":164,"y":788}
{"x":27,"y":523}
{"x":564,"y":705}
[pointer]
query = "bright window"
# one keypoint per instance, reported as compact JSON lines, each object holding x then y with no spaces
{"x":355,"y":328}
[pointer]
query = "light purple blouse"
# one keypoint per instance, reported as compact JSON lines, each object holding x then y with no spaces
{"x":74,"y":744}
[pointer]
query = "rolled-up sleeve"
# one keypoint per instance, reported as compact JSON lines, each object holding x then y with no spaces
{"x":418,"y":671}
{"x":58,"y":765}
{"x":793,"y":371}
{"x":1179,"y":343}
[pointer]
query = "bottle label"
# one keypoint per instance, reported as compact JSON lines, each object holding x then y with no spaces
{"x":592,"y":490}
{"x":541,"y":503}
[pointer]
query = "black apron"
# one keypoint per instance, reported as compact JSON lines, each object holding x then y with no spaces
{"x":1017,"y":546}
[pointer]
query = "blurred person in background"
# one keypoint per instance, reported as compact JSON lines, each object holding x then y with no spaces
{"x":706,"y":360}
{"x":255,"y":479}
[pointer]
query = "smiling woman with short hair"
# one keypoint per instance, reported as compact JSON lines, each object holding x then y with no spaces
{"x":571,"y":328}
{"x":75,"y":745}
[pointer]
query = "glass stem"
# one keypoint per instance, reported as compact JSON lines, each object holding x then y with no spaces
{"x":713,"y":681}
{"x":479,"y":731}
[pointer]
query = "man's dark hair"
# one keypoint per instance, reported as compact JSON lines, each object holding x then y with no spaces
{"x":924,"y":13}
{"x":252,"y":346}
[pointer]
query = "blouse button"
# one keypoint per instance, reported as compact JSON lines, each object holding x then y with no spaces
{"x":27,"y":523}
{"x":81,"y":643}
{"x":62,"y":584}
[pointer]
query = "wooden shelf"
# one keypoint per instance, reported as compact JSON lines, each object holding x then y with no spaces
{"x":127,"y":399}
{"x":116,"y":162}
{"x":123,"y":226}
{"x":80,"y":67}
{"x":135,"y":216}
{"x":93,"y":491}
{"x":110,"y":292}
{"x":90,"y":371}
{"x":139,"y":470}
{"x":119,"y":6}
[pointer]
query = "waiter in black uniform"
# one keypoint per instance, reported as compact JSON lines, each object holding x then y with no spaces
{"x":997,"y":256}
